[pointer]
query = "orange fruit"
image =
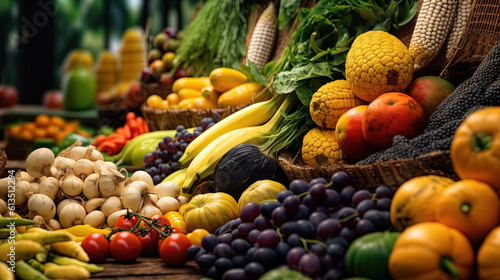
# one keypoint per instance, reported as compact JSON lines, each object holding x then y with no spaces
{"x":154,"y":102}
{"x":42,"y":120}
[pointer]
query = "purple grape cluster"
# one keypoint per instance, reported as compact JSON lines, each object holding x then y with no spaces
{"x":308,"y":228}
{"x":163,"y":161}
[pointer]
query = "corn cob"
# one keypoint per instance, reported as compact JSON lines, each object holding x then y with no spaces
{"x":263,"y":37}
{"x":433,"y":24}
{"x":463,"y":11}
{"x":105,"y":71}
{"x":132,"y":54}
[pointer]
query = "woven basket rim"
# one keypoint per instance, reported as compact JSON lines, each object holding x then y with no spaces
{"x":144,"y":107}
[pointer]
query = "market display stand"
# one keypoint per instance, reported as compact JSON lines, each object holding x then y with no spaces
{"x":148,"y":269}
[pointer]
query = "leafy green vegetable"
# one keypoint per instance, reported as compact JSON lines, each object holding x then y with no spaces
{"x":317,"y":52}
{"x":214,"y":38}
{"x":288,"y":10}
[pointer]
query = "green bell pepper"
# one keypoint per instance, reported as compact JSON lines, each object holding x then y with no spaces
{"x":368,"y":256}
{"x":71,"y":138}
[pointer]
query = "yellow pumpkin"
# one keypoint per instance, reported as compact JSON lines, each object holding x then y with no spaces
{"x":415,"y":200}
{"x":209,"y":211}
{"x":260,"y":191}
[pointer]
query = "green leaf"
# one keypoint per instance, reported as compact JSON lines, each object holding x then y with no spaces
{"x":304,"y":93}
{"x":316,"y":70}
{"x":411,"y":13}
{"x":257,"y":74}
{"x":288,"y":10}
{"x":246,"y":70}
{"x":268,"y":68}
{"x":285,"y":82}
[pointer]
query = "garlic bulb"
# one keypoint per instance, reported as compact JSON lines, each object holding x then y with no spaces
{"x":35,"y":187}
{"x":111,"y":205}
{"x":62,"y":163}
{"x":49,"y":187}
{"x":22,"y":191}
{"x":95,"y":219}
{"x":167,"y":204}
{"x":65,"y":203}
{"x":97,"y":166}
{"x":89,"y":152}
{"x":145,"y":177}
{"x":39,"y":162}
{"x":111,"y":165}
{"x":40,"y":204}
{"x":90,"y":187}
{"x":53,"y":224}
{"x":24,"y":176}
{"x":154,"y":197}
{"x":114,"y":216}
{"x":111,"y":181}
{"x":4,"y":188}
{"x":71,"y":215}
{"x":132,"y":196}
{"x":94,"y":203}
{"x":70,"y":184}
{"x":149,"y":208}
{"x":167,"y":189}
{"x":182,"y":200}
{"x":39,"y":180}
{"x":83,"y":168}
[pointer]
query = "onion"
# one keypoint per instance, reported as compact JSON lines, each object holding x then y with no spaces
{"x":24,"y":176}
{"x":53,"y":224}
{"x":70,"y":184}
{"x":114,"y":216}
{"x":89,"y":152}
{"x":167,"y":189}
{"x":4,"y":188}
{"x":71,"y":215}
{"x":49,"y":187}
{"x":144,"y":177}
{"x":149,"y":208}
{"x":3,"y":208}
{"x":83,"y":168}
{"x":111,"y":205}
{"x":167,"y":204}
{"x":95,"y":219}
{"x":39,"y":162}
{"x":111,"y":181}
{"x":62,"y":163}
{"x":22,"y":191}
{"x":35,"y":187}
{"x":182,"y":200}
{"x":40,"y":204}
{"x":90,"y":187}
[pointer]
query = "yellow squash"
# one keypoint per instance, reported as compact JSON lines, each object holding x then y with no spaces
{"x":190,"y":82}
{"x":224,"y":79}
{"x":239,"y":95}
{"x":185,"y":93}
{"x":209,"y":211}
{"x":260,"y":191}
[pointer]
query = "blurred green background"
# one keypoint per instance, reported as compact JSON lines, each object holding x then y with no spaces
{"x":93,"y":25}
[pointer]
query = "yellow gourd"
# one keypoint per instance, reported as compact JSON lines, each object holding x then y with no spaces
{"x":209,"y":211}
{"x":260,"y":191}
{"x":224,"y":79}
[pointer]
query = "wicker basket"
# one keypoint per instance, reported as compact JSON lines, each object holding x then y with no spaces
{"x":159,"y":89}
{"x":390,"y":173}
{"x":171,"y":118}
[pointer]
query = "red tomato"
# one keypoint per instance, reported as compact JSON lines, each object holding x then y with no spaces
{"x":96,"y":246}
{"x":173,"y":250}
{"x":163,"y":220}
{"x":125,"y":247}
{"x":123,"y":222}
{"x":148,"y":242}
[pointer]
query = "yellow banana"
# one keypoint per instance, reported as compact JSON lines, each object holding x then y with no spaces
{"x":71,"y":271}
{"x":24,"y":271}
{"x":252,"y":135}
{"x":22,"y":250}
{"x":5,"y":273}
{"x":200,"y":160}
{"x":177,"y":177}
{"x":255,"y":114}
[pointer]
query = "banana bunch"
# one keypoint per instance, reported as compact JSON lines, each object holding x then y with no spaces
{"x":245,"y":126}
{"x":134,"y":151}
{"x":41,"y":254}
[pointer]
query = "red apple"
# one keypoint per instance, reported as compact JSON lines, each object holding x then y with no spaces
{"x":429,"y":91}
{"x":8,"y":96}
{"x":134,"y":97}
{"x":349,"y":134}
{"x":391,"y":114}
{"x":165,"y":78}
{"x":53,"y":99}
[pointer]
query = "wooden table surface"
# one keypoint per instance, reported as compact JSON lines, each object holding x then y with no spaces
{"x":148,"y":269}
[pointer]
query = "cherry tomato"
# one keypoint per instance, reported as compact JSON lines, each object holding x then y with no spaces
{"x":196,"y":236}
{"x":125,"y":247}
{"x":123,"y":222}
{"x":163,"y":220}
{"x":173,"y":250}
{"x":148,"y":242}
{"x":96,"y":246}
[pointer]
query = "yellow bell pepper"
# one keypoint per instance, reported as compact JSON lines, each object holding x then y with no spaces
{"x":196,"y":236}
{"x":176,"y":220}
